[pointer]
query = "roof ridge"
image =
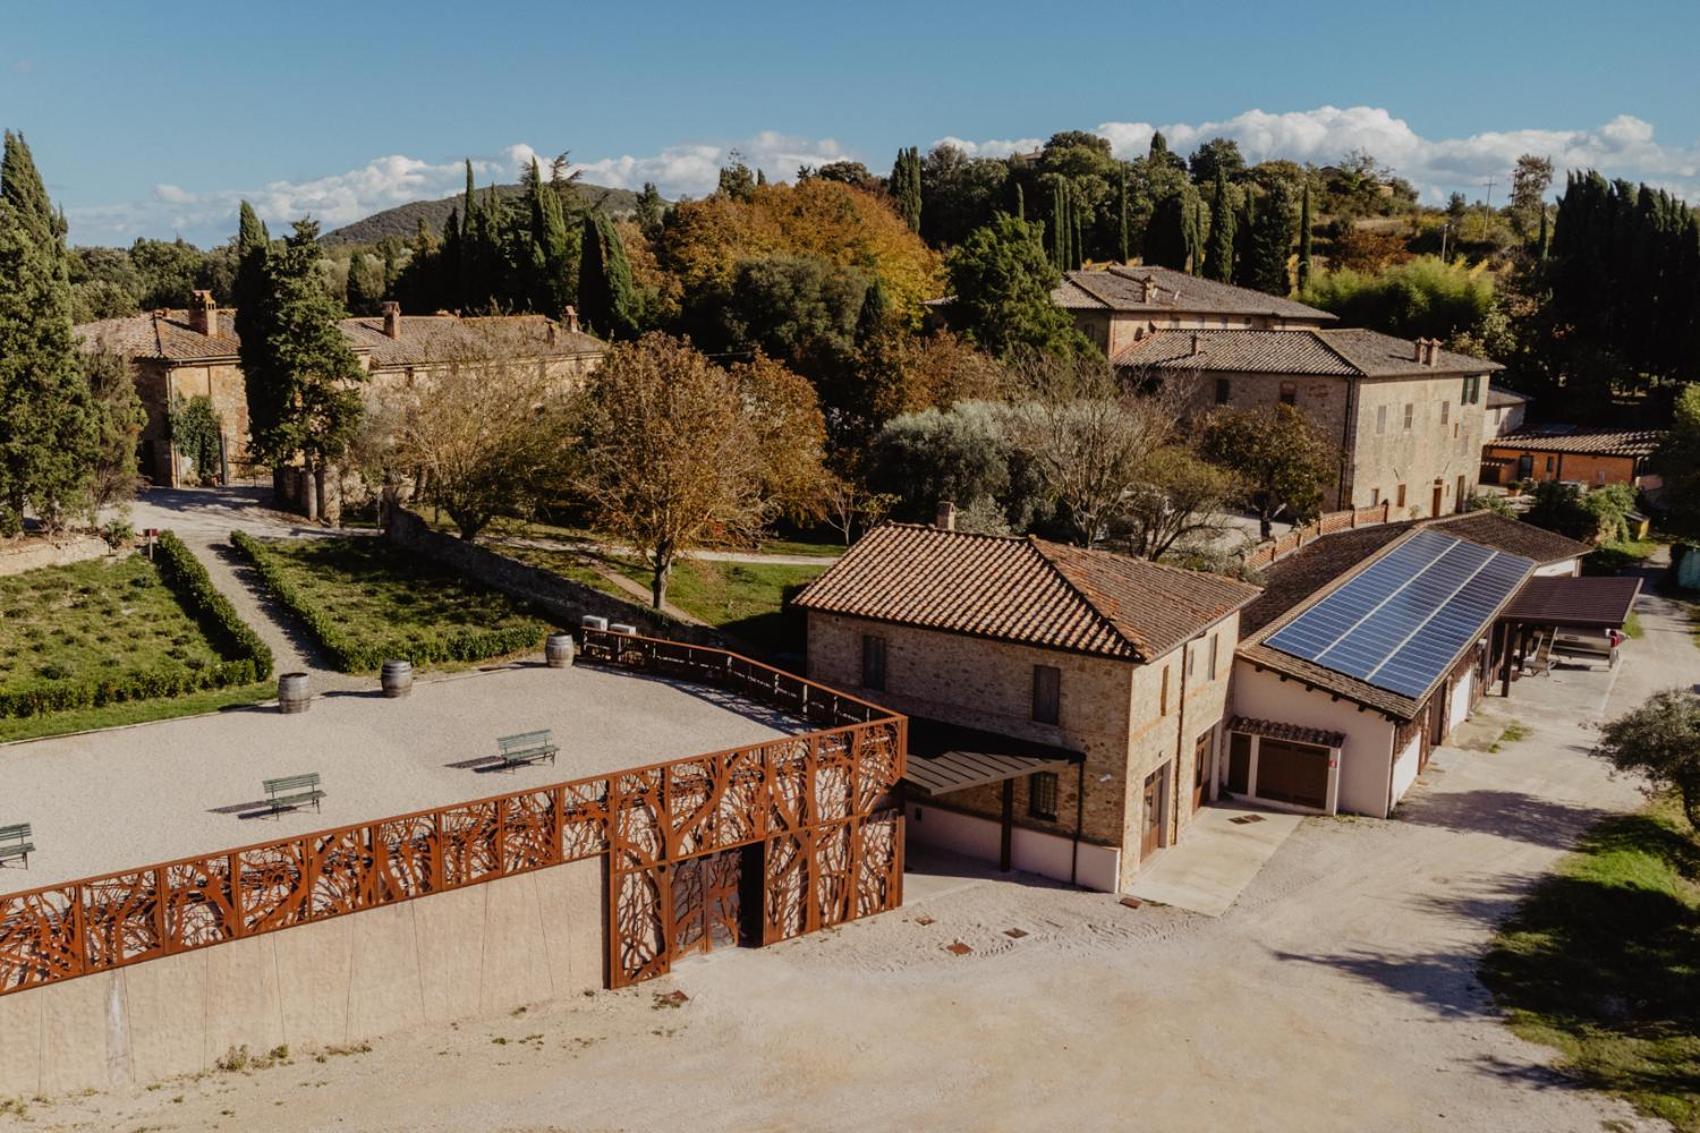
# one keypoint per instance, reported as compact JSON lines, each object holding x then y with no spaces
{"x":1040,"y":547}
{"x":1317,"y":334}
{"x":1102,"y":301}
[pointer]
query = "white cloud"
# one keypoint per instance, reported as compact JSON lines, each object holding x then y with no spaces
{"x":1622,"y":147}
{"x":996,"y":147}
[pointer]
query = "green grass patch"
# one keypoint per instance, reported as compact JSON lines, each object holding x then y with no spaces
{"x":133,"y":712}
{"x":1602,"y":962}
{"x":1632,"y":626}
{"x":1619,"y":555}
{"x":745,"y":600}
{"x":113,"y":631}
{"x":365,"y":603}
{"x":576,"y":564}
{"x":828,"y":544}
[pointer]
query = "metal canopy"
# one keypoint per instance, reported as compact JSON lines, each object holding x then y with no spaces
{"x":947,"y":757}
{"x":1567,"y":601}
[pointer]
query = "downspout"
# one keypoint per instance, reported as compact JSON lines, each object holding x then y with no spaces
{"x":1180,"y":745}
{"x":1348,"y":451}
{"x":1079,"y":819}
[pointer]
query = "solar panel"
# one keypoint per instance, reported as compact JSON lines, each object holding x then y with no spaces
{"x":1401,"y":621}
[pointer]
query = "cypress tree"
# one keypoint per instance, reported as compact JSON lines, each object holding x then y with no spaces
{"x":1270,"y":241}
{"x":1219,"y":253}
{"x":267,"y":391}
{"x":1124,"y":245}
{"x":1242,"y":252}
{"x":905,"y":186}
{"x":49,"y":426}
{"x":549,"y":241}
{"x":606,"y":295}
{"x":1166,"y":239}
{"x":1077,"y":242}
{"x":1304,"y":240}
{"x":1541,"y":240}
{"x":650,"y":210}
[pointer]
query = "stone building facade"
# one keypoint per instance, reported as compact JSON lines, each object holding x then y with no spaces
{"x":1408,"y":416}
{"x":178,"y":355}
{"x":1136,"y":658}
{"x":1593,"y":458}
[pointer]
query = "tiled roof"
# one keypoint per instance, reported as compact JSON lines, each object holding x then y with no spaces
{"x":424,"y":338}
{"x":1291,"y":580}
{"x":1344,"y":352}
{"x":164,"y":334}
{"x":1121,"y":289}
{"x":1253,"y":649}
{"x":1024,"y":590}
{"x":1501,"y":398}
{"x":1277,"y":730}
{"x":1604,"y":442}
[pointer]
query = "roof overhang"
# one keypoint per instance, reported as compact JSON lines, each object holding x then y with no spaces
{"x":1604,"y":602}
{"x":944,"y":758}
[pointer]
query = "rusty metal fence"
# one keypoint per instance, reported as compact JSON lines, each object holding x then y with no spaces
{"x":831,"y":851}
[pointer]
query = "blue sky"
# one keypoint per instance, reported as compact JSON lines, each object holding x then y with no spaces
{"x":154,"y":119}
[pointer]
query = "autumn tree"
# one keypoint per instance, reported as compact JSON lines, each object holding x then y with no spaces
{"x":1179,"y":499}
{"x":676,"y":451}
{"x":1282,"y":462}
{"x":1661,"y":741}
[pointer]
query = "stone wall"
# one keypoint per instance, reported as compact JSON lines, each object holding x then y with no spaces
{"x":34,"y":552}
{"x":1444,"y":444}
{"x":561,"y":599}
{"x":475,"y":951}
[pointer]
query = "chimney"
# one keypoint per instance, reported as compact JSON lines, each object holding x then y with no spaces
{"x":569,"y":319}
{"x":1194,"y":352}
{"x":1417,"y":349}
{"x":392,"y":319}
{"x":947,"y":516}
{"x":1431,"y":354}
{"x":203,"y":313}
{"x":1148,"y":289}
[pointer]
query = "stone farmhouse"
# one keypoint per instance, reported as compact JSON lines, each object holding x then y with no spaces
{"x":1589,"y":457}
{"x":1071,"y":710}
{"x":179,"y":354}
{"x":1097,"y":681}
{"x":1408,"y":416}
{"x":1506,"y":410}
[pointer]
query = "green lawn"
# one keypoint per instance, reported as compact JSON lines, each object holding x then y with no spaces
{"x":575,"y":564}
{"x":133,"y":712}
{"x":366,"y":602}
{"x":745,"y":600}
{"x":1602,"y":962}
{"x":96,"y":633}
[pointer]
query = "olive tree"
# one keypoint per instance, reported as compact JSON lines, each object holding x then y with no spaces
{"x":1661,"y":740}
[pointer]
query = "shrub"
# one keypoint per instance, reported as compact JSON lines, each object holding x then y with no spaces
{"x":218,"y":619}
{"x":1423,"y":298}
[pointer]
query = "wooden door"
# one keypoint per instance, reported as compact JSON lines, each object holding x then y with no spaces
{"x":1293,"y":773}
{"x":1151,"y":839}
{"x":1201,"y":767}
{"x":1239,"y":764}
{"x":1439,"y":498}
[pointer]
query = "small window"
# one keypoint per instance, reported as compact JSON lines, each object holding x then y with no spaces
{"x":1410,"y":415}
{"x":1215,"y":653}
{"x":1042,"y":795}
{"x":1375,"y":497}
{"x":1047,"y":694}
{"x":1224,"y":391}
{"x":1187,"y":658}
{"x":873,"y":662}
{"x":1549,"y":464}
{"x":1163,"y":696}
{"x":1400,"y":502}
{"x":1446,"y":413}
{"x":1289,"y":393}
{"x":1381,"y":418}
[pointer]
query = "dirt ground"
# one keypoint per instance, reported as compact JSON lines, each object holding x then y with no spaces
{"x":1338,"y":994}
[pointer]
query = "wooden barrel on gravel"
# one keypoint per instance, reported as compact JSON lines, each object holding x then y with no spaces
{"x":397,"y":678}
{"x":292,"y":693}
{"x":558,"y":650}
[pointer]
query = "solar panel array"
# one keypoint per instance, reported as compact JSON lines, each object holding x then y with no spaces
{"x":1402,"y":620}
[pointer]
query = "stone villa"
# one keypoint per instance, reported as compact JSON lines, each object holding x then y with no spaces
{"x":1407,"y":415}
{"x":178,"y":354}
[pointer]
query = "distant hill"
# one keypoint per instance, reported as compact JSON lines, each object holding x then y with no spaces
{"x":403,"y":220}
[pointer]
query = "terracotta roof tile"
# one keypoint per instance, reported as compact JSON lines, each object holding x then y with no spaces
{"x":1024,"y":590}
{"x":1606,"y":442}
{"x":1277,"y":730}
{"x":1344,"y":352}
{"x":1122,"y":289}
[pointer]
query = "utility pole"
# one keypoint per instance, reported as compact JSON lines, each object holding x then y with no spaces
{"x":1490,"y":185}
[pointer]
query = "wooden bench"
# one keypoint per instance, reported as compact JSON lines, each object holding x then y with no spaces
{"x":527,"y":748}
{"x":293,"y":791}
{"x":15,"y":843}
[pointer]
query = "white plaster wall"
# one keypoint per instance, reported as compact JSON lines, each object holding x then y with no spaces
{"x":1405,"y":767}
{"x":1098,"y":867}
{"x":1563,"y":569}
{"x":1458,"y":710}
{"x":1364,"y":758}
{"x":472,"y":951}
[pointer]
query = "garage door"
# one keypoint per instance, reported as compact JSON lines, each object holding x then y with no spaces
{"x":1292,"y":773}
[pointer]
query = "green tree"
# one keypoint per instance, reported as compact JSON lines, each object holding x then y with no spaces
{"x":1124,"y":246}
{"x":48,"y":425}
{"x":1218,"y":156}
{"x":315,"y":369}
{"x":365,"y":291}
{"x":119,"y":419}
{"x":1678,"y":459}
{"x":1002,"y":283}
{"x":197,"y":435}
{"x":607,"y":297}
{"x":651,"y":210}
{"x":1219,"y":253}
{"x":905,"y":186}
{"x":1420,"y":298}
{"x":1304,"y":239}
{"x":551,"y":244}
{"x":1529,"y":183}
{"x":1269,"y":243}
{"x":1282,"y":462}
{"x":1659,"y":740}
{"x":1167,"y":240}
{"x":268,"y":389}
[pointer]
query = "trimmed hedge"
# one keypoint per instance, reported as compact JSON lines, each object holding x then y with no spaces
{"x":421,"y":645}
{"x":186,"y":575}
{"x":248,"y":658}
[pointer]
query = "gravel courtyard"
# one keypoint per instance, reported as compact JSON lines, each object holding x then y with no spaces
{"x":1337,"y":994}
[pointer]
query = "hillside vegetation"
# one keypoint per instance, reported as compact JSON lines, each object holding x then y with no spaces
{"x":402,"y":221}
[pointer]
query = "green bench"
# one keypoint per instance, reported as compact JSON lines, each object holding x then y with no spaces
{"x":527,"y":748}
{"x":293,"y":791}
{"x":15,"y":843}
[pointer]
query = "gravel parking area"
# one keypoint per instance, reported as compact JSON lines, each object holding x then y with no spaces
{"x":105,"y":801}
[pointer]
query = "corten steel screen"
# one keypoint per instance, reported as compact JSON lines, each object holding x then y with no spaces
{"x":810,"y":802}
{"x":1402,"y":621}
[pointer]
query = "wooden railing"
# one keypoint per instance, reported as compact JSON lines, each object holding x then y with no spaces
{"x":796,"y":789}
{"x":1274,"y":550}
